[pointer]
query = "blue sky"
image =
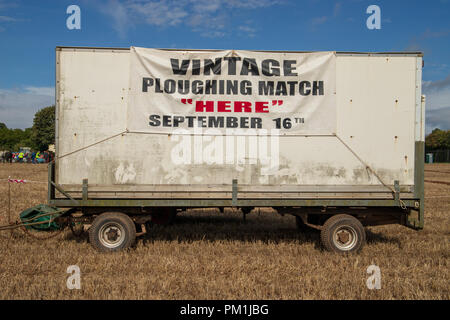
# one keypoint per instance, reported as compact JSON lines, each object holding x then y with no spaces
{"x":30,"y":30}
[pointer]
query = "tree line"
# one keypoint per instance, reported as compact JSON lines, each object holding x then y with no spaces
{"x":38,"y":137}
{"x":438,"y":140}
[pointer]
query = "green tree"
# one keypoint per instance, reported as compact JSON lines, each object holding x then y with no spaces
{"x":13,"y":139}
{"x":3,"y":126}
{"x":43,"y":130}
{"x":438,"y":139}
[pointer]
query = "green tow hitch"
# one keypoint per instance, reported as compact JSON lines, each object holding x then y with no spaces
{"x":42,"y":218}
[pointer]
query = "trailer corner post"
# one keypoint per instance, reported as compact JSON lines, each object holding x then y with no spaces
{"x":412,"y":222}
{"x":419,"y":154}
{"x":397,"y":191}
{"x":85,"y":190}
{"x":234,"y":201}
{"x":50,"y":188}
{"x":422,"y":191}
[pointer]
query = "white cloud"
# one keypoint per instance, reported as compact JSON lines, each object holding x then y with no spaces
{"x":318,"y":21}
{"x":119,"y":14}
{"x":4,"y":4}
{"x":247,"y":29}
{"x":438,"y":118}
{"x":159,"y":13}
{"x":437,"y":104}
{"x":418,"y":43}
{"x":252,"y":4}
{"x":4,"y":18}
{"x":438,"y":93}
{"x":17,"y":107}
{"x":428,"y":34}
{"x":207,"y":17}
{"x":206,"y":23}
{"x":337,"y":9}
{"x":207,"y":5}
{"x":7,"y":19}
{"x":213,"y":34}
{"x":41,"y":91}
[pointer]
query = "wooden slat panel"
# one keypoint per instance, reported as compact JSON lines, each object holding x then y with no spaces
{"x":241,"y":195}
{"x":241,"y":188}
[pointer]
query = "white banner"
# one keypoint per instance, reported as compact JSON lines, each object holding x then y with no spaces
{"x":232,"y":89}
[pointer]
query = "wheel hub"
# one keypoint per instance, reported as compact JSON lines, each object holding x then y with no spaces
{"x":345,"y":238}
{"x":112,"y":235}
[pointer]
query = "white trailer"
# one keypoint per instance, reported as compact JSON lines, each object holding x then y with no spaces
{"x":334,"y":138}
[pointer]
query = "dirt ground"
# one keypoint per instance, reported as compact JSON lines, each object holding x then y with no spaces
{"x":208,"y":255}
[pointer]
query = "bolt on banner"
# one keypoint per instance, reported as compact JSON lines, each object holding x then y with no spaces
{"x":269,"y":92}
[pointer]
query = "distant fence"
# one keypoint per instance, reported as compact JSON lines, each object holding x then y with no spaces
{"x":437,"y":156}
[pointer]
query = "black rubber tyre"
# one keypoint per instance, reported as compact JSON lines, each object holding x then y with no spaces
{"x":112,"y":231}
{"x":301,"y":226}
{"x":343,"y":233}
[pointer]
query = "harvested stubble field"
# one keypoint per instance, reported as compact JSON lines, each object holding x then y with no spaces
{"x":206,"y":255}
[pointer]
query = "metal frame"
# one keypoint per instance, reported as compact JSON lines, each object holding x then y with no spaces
{"x":419,"y":153}
{"x":339,"y":53}
{"x":234,"y":201}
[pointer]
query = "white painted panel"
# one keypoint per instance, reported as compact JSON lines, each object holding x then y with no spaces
{"x":376,"y":111}
{"x":376,"y":99}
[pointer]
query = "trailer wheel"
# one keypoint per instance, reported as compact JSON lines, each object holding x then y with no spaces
{"x":343,"y":233}
{"x":112,"y":231}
